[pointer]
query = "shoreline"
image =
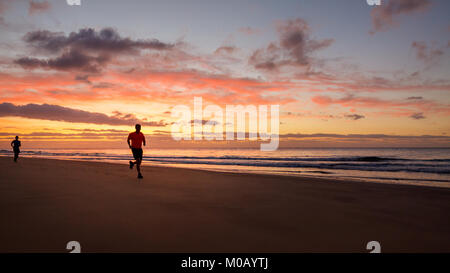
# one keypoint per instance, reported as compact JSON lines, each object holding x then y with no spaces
{"x":385,"y":181}
{"x":46,"y":203}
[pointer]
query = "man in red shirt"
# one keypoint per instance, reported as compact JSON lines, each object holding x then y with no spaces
{"x":137,"y":139}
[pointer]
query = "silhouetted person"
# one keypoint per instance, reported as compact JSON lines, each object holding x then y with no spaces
{"x":137,"y":139}
{"x":16,"y":148}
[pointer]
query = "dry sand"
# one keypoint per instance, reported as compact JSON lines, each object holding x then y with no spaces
{"x":45,"y":203}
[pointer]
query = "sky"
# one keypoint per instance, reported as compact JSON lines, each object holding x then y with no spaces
{"x":345,"y":74}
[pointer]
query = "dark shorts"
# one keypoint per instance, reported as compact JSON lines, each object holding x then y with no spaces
{"x":137,"y":153}
{"x":16,"y":151}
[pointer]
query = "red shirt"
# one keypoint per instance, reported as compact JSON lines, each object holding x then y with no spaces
{"x":136,"y":139}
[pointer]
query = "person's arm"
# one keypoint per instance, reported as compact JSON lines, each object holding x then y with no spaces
{"x":128,"y":141}
{"x":12,"y":143}
{"x":143,"y":139}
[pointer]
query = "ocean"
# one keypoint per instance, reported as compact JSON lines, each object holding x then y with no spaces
{"x":416,"y":166}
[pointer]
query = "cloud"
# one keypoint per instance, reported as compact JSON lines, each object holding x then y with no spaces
{"x":426,"y":54}
{"x":294,"y":47}
{"x":71,"y":60}
{"x":385,"y":16}
{"x":95,"y":130}
{"x":52,"y":134}
{"x":107,"y":39}
{"x":143,"y":85}
{"x":38,"y":6}
{"x":225,"y":50}
{"x":417,"y":116}
{"x":204,"y":122}
{"x":415,"y":98}
{"x":354,"y":116}
{"x":249,"y":30}
{"x":60,"y":113}
{"x":83,"y":78}
{"x":86,"y":50}
{"x":214,"y":88}
{"x":401,"y":107}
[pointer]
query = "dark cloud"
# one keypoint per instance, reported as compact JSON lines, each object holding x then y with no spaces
{"x":385,"y":15}
{"x":87,"y":50}
{"x":225,"y":50}
{"x":102,"y":85}
{"x":71,"y":60}
{"x":293,"y":48}
{"x":417,"y":116}
{"x":415,"y":74}
{"x":38,"y":6}
{"x":105,"y":40}
{"x":354,"y":116}
{"x":60,"y":113}
{"x":83,"y":78}
{"x":204,"y":122}
{"x":59,"y":92}
{"x":47,"y":40}
{"x":415,"y":98}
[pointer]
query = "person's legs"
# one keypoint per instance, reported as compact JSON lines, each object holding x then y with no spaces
{"x":137,"y":154}
{"x":138,"y":163}
{"x":16,"y":155}
{"x":138,"y":166}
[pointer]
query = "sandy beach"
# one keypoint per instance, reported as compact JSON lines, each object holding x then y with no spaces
{"x":46,"y":203}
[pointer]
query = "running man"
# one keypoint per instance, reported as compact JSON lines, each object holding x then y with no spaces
{"x":137,"y":139}
{"x":16,"y":144}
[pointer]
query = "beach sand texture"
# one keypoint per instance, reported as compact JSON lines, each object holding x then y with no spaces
{"x":46,"y":203}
